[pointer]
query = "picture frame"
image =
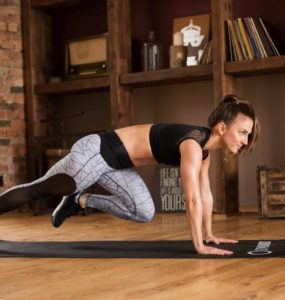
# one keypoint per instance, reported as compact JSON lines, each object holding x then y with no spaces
{"x":86,"y":56}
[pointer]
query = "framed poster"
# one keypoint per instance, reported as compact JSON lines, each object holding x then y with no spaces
{"x":170,"y":191}
{"x":196,"y":31}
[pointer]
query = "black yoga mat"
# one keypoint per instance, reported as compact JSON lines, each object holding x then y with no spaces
{"x":137,"y":249}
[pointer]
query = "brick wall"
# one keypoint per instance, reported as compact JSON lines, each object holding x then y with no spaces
{"x":13,"y":151}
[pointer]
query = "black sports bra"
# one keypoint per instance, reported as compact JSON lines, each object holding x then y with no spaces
{"x":166,"y":138}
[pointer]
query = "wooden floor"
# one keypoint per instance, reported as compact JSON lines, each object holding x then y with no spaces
{"x":77,"y":279}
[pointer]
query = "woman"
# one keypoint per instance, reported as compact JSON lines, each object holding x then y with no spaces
{"x":108,"y":158}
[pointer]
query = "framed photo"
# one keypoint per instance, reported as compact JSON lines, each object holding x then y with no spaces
{"x":87,"y":56}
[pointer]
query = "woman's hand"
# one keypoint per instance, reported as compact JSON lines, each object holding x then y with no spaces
{"x":217,"y":241}
{"x":211,"y":250}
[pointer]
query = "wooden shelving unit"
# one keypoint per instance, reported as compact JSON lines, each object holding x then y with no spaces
{"x":127,"y":23}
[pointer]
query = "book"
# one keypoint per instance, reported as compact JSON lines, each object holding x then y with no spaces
{"x":236,"y":46}
{"x":230,"y":53}
{"x":202,"y":59}
{"x":263,"y":37}
{"x":207,"y":57}
{"x":210,"y":53}
{"x":244,"y":38}
{"x":273,"y":46}
{"x":239,"y":38}
{"x":257,"y":39}
{"x":250,"y":36}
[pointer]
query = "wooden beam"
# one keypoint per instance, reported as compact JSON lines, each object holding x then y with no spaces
{"x":119,"y":53}
{"x":227,"y":190}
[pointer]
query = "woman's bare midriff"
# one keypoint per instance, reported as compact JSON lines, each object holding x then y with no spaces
{"x":136,"y":141}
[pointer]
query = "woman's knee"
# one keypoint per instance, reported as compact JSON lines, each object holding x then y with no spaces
{"x":146,"y":215}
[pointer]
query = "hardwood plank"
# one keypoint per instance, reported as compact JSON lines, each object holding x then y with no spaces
{"x":167,"y":76}
{"x":270,"y":65}
{"x":73,"y":86}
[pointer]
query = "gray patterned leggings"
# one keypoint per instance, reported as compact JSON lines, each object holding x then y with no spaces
{"x":76,"y":172}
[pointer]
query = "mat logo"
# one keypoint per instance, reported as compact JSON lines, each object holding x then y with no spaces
{"x":262,"y":248}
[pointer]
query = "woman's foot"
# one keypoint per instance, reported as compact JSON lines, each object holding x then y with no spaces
{"x":69,"y":206}
{"x":82,"y":201}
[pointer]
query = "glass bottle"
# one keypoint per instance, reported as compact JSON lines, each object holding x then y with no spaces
{"x":151,"y":54}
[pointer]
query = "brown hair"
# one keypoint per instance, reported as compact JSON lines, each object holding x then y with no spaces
{"x":228,"y":109}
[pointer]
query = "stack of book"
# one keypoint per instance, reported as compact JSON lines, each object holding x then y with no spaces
{"x":207,"y":56}
{"x":249,"y":38}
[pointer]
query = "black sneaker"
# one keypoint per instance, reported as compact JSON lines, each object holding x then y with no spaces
{"x":67,"y":207}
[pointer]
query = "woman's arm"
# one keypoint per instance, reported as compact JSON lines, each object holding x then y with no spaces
{"x":191,"y":164}
{"x":190,"y":168}
{"x":206,"y":198}
{"x":207,"y":204}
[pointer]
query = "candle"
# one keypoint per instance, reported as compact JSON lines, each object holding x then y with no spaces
{"x":178,"y":38}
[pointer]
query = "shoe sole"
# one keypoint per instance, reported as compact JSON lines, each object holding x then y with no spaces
{"x":53,"y":216}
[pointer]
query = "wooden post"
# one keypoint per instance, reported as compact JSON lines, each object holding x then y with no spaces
{"x":36,"y":41}
{"x":29,"y":83}
{"x":227,"y":191}
{"x":119,"y":52}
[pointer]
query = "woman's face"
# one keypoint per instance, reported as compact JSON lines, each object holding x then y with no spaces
{"x":236,"y":134}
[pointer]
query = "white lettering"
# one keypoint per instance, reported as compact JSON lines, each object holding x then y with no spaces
{"x":262,"y":248}
{"x":172,"y":202}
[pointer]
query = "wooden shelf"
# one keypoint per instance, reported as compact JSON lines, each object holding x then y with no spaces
{"x":45,"y":4}
{"x":168,"y":76}
{"x":270,"y":65}
{"x":74,"y":86}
